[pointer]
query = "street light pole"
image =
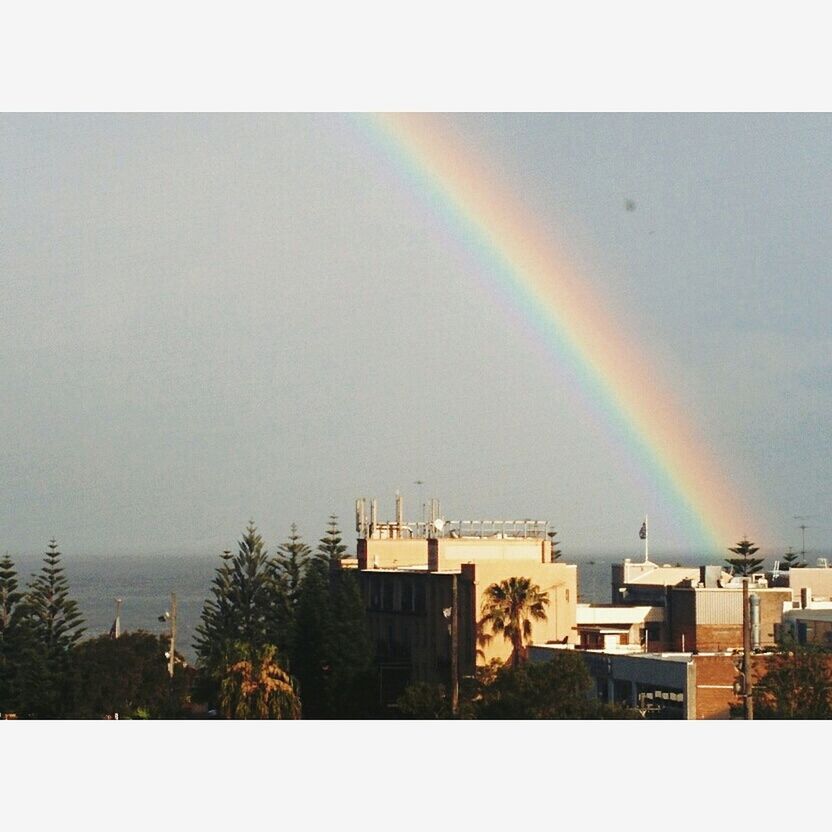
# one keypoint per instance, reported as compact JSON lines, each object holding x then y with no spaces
{"x":746,"y":653}
{"x":455,"y":644}
{"x":172,"y":656}
{"x":117,"y":622}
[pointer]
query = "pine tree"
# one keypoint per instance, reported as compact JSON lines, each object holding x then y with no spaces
{"x":54,"y":626}
{"x":246,"y":603}
{"x":791,"y":560}
{"x":291,"y":559}
{"x":744,"y":565}
{"x":312,"y":655}
{"x":553,"y":537}
{"x":330,"y":548}
{"x":11,"y":637}
{"x":248,"y":606}
{"x":351,"y":681}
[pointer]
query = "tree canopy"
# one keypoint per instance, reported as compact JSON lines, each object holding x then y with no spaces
{"x":52,"y":627}
{"x":744,"y":564}
{"x":508,"y":609}
{"x":128,"y":676}
{"x":796,"y":685}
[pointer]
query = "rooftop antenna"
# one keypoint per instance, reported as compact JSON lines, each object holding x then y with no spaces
{"x":399,"y":511}
{"x":420,"y":483}
{"x":802,"y":526}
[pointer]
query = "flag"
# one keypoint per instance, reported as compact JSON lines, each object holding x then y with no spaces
{"x":642,"y":532}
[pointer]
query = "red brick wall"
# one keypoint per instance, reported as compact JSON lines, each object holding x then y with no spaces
{"x":715,"y":677}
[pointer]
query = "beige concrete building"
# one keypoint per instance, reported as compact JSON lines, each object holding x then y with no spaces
{"x":423,"y":585}
{"x":817,"y":580}
{"x":622,"y":628}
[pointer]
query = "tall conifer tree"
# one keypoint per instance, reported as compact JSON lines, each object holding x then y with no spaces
{"x":11,"y":637}
{"x":54,"y":626}
{"x":248,"y":610}
{"x":330,"y":547}
{"x":291,"y":560}
{"x":744,"y":564}
{"x":314,"y":623}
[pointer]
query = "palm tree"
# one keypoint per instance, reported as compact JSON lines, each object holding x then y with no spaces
{"x":255,"y":686}
{"x":509,"y":607}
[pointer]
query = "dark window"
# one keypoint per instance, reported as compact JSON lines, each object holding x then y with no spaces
{"x":375,"y":593}
{"x":408,"y":599}
{"x":387,"y":595}
{"x":419,"y":597}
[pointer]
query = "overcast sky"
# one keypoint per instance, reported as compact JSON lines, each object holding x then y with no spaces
{"x":207,"y":319}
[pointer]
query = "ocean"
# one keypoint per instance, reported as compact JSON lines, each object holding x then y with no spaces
{"x":145,"y":583}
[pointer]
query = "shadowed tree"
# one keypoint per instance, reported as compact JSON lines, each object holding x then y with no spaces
{"x":791,"y":560}
{"x":311,"y":659}
{"x":424,"y":700}
{"x":796,"y":685}
{"x":508,"y":608}
{"x":351,"y":681}
{"x":54,"y":626}
{"x":291,"y":560}
{"x":553,"y":537}
{"x":248,"y":605}
{"x":554,"y":689}
{"x":128,"y":676}
{"x":255,"y":686}
{"x":744,"y":564}
{"x":330,"y":547}
{"x":11,"y":637}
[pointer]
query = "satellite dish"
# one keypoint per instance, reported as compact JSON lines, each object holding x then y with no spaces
{"x":439,"y":524}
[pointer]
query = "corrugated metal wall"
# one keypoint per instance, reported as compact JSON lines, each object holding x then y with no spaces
{"x":718,"y":607}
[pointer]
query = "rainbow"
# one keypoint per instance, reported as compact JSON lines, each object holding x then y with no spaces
{"x":570,"y":321}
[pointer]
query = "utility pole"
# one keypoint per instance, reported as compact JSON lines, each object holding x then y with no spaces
{"x":747,"y":686}
{"x":117,"y":622}
{"x":455,"y":644}
{"x":172,"y":655}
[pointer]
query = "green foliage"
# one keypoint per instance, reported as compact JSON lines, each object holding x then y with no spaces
{"x":791,"y":560}
{"x":351,"y":679}
{"x":53,"y":627}
{"x":291,"y":560}
{"x":553,"y":537}
{"x":423,"y":700}
{"x":128,"y":676}
{"x":12,"y":635}
{"x":311,"y":661}
{"x":254,"y":685}
{"x":744,"y":564}
{"x":333,"y":655}
{"x":248,"y":605}
{"x":796,"y":685}
{"x":556,"y":689}
{"x":508,"y":608}
{"x":330,"y":547}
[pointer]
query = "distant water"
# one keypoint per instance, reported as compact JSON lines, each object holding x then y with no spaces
{"x":144,"y":583}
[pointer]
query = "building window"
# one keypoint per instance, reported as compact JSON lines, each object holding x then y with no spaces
{"x":387,"y":595}
{"x":419,"y":597}
{"x":408,"y":600}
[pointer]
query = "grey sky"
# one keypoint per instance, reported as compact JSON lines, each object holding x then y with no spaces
{"x":212,"y":318}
